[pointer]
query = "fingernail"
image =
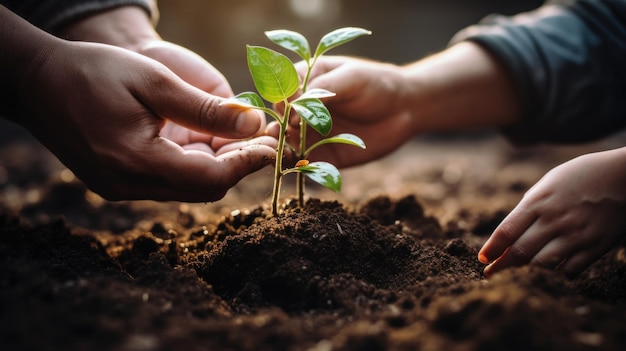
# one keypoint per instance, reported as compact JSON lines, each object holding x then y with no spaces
{"x":482,"y":258}
{"x":487,"y":271}
{"x":247,"y":123}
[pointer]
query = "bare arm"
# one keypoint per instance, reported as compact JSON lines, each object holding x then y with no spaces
{"x":130,"y":27}
{"x":104,"y":112}
{"x":22,"y":47}
{"x":460,"y":88}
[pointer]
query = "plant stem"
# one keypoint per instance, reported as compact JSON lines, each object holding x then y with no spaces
{"x":300,"y":177}
{"x":305,"y":83}
{"x":302,"y":155}
{"x":278,"y":169}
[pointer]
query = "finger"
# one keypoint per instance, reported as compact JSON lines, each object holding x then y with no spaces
{"x":323,"y":65}
{"x":188,"y":65}
{"x":184,"y":136}
{"x":301,"y":68}
{"x":273,"y":129}
{"x":525,"y":250}
{"x":336,"y":81}
{"x":589,"y":247}
{"x":235,"y":145}
{"x":195,"y":176}
{"x":511,"y":228}
{"x":490,"y":270}
{"x":195,"y":137}
{"x":170,"y":97}
{"x":553,"y":253}
{"x":579,"y":262}
{"x":328,"y":63}
{"x":199,"y":147}
{"x":223,"y":144}
{"x":294,"y":120}
{"x":337,"y":75}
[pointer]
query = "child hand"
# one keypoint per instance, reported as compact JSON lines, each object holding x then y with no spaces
{"x":568,"y":220}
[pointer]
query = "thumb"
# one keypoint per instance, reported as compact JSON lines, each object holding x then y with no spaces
{"x":168,"y":96}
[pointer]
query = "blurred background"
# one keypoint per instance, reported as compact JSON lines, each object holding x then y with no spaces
{"x":403,"y":30}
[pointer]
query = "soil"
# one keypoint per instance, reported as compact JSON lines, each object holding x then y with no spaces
{"x":388,"y":264}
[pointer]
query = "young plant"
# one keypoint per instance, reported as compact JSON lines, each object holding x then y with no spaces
{"x":277,"y":81}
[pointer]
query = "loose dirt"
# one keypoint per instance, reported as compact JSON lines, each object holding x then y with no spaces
{"x":388,"y":264}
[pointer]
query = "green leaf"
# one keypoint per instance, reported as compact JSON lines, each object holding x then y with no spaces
{"x":291,"y":40}
{"x":314,"y":113}
{"x":323,"y":173}
{"x":247,"y":99}
{"x":344,"y":138}
{"x":338,"y":37}
{"x":273,"y":73}
{"x":317,"y":93}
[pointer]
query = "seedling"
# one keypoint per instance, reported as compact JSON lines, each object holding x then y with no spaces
{"x":277,"y":81}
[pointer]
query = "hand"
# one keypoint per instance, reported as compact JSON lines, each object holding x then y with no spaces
{"x":102,"y":110}
{"x":368,"y":104}
{"x":196,"y":71}
{"x":129,"y":27}
{"x":461,"y":88}
{"x":125,"y":124}
{"x":568,"y":220}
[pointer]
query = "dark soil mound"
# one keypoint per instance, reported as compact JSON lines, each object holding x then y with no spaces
{"x":383,"y":277}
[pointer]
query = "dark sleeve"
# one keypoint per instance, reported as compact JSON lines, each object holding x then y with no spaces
{"x":568,"y":60}
{"x":52,"y":15}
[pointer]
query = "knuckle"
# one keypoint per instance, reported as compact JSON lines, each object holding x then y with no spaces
{"x":507,"y":232}
{"x":545,"y":262}
{"x":539,"y":262}
{"x":518,"y":253}
{"x":156,"y":77}
{"x":207,"y":114}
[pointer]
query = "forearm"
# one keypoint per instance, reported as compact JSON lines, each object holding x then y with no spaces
{"x":23,"y":48}
{"x":461,"y":88}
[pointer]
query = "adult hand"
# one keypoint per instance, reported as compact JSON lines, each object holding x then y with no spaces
{"x":369,"y":103}
{"x":130,"y":27}
{"x":461,"y":88}
{"x":124,"y":123}
{"x":568,"y":220}
{"x":102,"y":110}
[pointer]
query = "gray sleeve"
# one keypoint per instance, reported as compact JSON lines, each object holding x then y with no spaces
{"x":52,"y":15}
{"x":568,"y":60}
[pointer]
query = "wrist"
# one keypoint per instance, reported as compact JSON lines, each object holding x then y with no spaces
{"x":25,"y":49}
{"x":461,"y":88}
{"x":128,"y":27}
{"x":420,"y":97}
